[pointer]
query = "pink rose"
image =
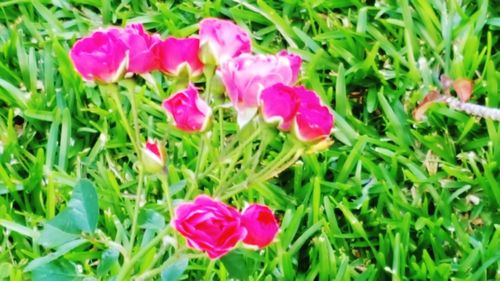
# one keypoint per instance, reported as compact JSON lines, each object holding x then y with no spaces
{"x":280,"y":104}
{"x":261,"y":225}
{"x":222,"y":40}
{"x":299,"y":107}
{"x":102,"y":56}
{"x":178,"y":55}
{"x":314,"y":121}
{"x":209,"y":226}
{"x":189,"y":112}
{"x":247,"y":75}
{"x":141,"y":46}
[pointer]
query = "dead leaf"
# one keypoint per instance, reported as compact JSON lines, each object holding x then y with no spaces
{"x":463,"y":88}
{"x":429,"y":99}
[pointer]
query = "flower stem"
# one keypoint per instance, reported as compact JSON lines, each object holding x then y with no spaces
{"x":284,"y":160}
{"x":115,"y":95}
{"x":136,"y":208}
{"x":128,"y":266}
{"x":166,"y":192}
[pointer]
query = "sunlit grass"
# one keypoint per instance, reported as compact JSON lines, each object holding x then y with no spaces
{"x":391,"y":198}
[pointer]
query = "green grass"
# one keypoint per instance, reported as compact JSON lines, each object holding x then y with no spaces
{"x":392,"y":198}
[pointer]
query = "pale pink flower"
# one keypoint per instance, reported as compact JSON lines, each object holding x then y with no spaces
{"x":102,"y":56}
{"x":180,"y":54}
{"x":261,"y":225}
{"x":209,"y":225}
{"x":189,"y":112}
{"x":247,"y":75}
{"x":222,"y":40}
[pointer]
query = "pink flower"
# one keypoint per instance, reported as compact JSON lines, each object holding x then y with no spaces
{"x":222,"y":40}
{"x":189,"y":112}
{"x":179,"y":55}
{"x":280,"y":104}
{"x":314,"y":121}
{"x":102,"y":56}
{"x":153,"y":156}
{"x":247,"y":75}
{"x":260,"y":224}
{"x":141,"y":46}
{"x":299,"y":107}
{"x":209,"y":226}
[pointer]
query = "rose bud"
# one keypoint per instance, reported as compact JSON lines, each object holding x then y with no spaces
{"x":314,"y":121}
{"x":153,"y":157}
{"x":261,"y":225}
{"x":189,"y":112}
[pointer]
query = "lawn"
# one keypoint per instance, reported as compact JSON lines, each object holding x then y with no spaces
{"x":407,"y":186}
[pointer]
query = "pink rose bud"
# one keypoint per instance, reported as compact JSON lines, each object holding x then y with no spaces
{"x":178,"y":56}
{"x":189,"y":112}
{"x":102,"y":56}
{"x":247,"y":75}
{"x":222,"y":40}
{"x":261,"y":225}
{"x":141,"y":46}
{"x":279,"y":105}
{"x":209,"y":226}
{"x":153,"y":157}
{"x":314,"y":121}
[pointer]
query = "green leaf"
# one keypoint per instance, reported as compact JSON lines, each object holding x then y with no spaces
{"x":175,"y":270}
{"x":238,"y":265}
{"x":108,"y":259}
{"x":150,"y":219}
{"x":80,"y":215}
{"x":58,"y":231}
{"x":55,"y":255}
{"x":84,"y":206}
{"x":56,"y":271}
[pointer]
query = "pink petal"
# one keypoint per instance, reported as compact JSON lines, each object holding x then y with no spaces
{"x":176,"y":52}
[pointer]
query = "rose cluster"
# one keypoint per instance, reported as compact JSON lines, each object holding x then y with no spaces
{"x":216,"y":228}
{"x":253,"y":82}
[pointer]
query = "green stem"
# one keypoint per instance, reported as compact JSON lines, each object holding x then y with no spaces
{"x":136,"y":208}
{"x":231,"y":151}
{"x":153,"y":272}
{"x":278,"y":165}
{"x":166,"y":192}
{"x":115,"y":95}
{"x":128,"y":266}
